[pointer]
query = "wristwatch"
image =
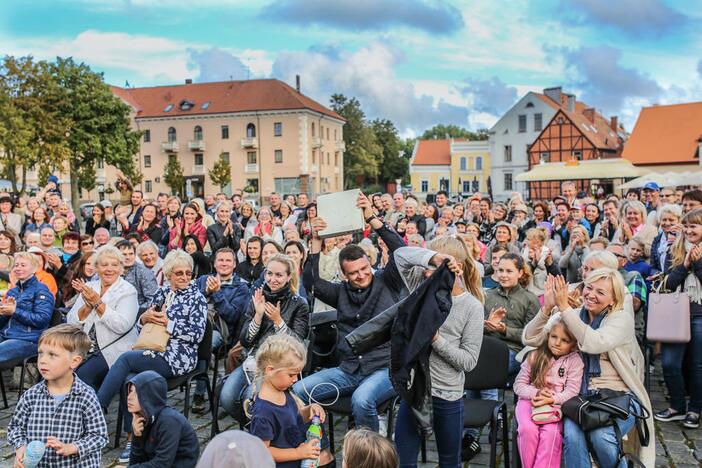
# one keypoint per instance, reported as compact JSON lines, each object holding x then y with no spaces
{"x":371,"y":218}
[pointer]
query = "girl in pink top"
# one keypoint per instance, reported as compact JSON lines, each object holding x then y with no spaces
{"x":550,"y":375}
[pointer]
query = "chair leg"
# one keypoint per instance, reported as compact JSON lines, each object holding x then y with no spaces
{"x":120,"y":420}
{"x":4,"y":395}
{"x":423,"y":448}
{"x":505,"y":435}
{"x":493,"y":440}
{"x":186,"y":406}
{"x":21,"y":382}
{"x":215,"y":415}
{"x":330,"y":418}
{"x":391,"y":421}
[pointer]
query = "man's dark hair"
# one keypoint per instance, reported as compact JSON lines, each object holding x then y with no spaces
{"x":350,"y":253}
{"x":161,"y":194}
{"x":71,"y":235}
{"x":694,"y":195}
{"x":139,"y":192}
{"x":607,"y":202}
{"x":225,"y":250}
{"x":133,"y":235}
{"x":442,"y":192}
{"x":125,"y":244}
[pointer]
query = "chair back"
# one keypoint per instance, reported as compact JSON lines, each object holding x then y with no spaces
{"x":56,"y":318}
{"x":204,"y":350}
{"x":491,"y":371}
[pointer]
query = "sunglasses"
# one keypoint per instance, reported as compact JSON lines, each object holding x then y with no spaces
{"x":183,"y":273}
{"x":87,"y":243}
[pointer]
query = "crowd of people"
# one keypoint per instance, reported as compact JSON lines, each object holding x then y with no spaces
{"x":118,"y":305}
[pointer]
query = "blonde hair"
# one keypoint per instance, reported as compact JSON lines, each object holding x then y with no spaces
{"x":458,"y":249}
{"x":537,"y":234}
{"x":370,"y":250}
{"x":637,"y":239}
{"x":678,"y":250}
{"x":606,"y":258}
{"x":108,"y":251}
{"x":582,"y":230}
{"x":541,"y":358}
{"x":289,"y":266}
{"x":364,"y":448}
{"x":30,"y":257}
{"x":176,"y":258}
{"x":471,"y":243}
{"x":617,"y":282}
{"x":68,"y":336}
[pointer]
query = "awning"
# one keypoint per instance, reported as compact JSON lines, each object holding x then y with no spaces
{"x":615,"y":168}
{"x":666,"y":179}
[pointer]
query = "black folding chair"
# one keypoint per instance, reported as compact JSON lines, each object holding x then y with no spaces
{"x":204,"y":356}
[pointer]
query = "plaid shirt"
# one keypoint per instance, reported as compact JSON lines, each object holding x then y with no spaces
{"x":637,"y":286}
{"x":78,"y":419}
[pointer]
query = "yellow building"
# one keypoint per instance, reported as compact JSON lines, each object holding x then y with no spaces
{"x":457,"y":166}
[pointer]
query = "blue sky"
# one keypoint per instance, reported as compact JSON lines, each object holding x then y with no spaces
{"x":416,"y":62}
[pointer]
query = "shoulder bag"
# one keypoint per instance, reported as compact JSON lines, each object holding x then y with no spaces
{"x":668,"y":316}
{"x":154,"y":337}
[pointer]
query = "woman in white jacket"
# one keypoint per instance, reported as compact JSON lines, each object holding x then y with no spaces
{"x":107,"y":310}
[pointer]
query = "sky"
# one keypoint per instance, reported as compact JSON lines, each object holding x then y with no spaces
{"x":415,"y":62}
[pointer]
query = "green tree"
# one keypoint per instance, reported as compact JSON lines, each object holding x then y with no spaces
{"x":363,"y":153}
{"x":395,"y":162}
{"x":173,"y":176}
{"x":440,"y":132}
{"x":98,"y":125}
{"x":221,"y":172}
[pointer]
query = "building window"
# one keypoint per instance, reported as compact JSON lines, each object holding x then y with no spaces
{"x":466,"y":186}
{"x":476,"y":186}
{"x":197,"y":133}
{"x":327,"y":159}
{"x":334,"y":134}
{"x":464,"y":166}
{"x":148,"y":188}
{"x":508,"y":153}
{"x":545,"y":156}
{"x":336,"y":159}
{"x":225,"y":132}
{"x":578,"y":155}
{"x":199,"y":159}
{"x":225,"y":157}
{"x":147,"y":136}
{"x":314,"y":157}
{"x":287,"y":184}
{"x":278,"y":157}
{"x":101,"y":163}
{"x":312,"y":129}
{"x":278,"y":129}
{"x":508,"y":181}
{"x":425,"y":186}
{"x":522,"y":123}
{"x":327,"y":133}
{"x":251,"y":157}
{"x":479,"y":163}
{"x":147,"y":160}
{"x":171,"y":135}
{"x":538,"y":122}
{"x":253,"y":184}
{"x":250,"y":131}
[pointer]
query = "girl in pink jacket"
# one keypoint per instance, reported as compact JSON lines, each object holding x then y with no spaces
{"x":550,"y":375}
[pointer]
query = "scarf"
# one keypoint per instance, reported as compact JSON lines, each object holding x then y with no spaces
{"x":692,"y":285}
{"x":592,"y":361}
{"x":278,"y":296}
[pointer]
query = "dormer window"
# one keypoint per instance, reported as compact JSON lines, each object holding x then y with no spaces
{"x":529,"y":104}
{"x":186,"y":105}
{"x":168,"y":108}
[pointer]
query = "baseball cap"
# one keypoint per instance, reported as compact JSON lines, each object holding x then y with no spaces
{"x":106,"y":204}
{"x":652,"y":186}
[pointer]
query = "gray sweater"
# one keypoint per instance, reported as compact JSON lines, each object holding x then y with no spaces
{"x":461,"y":335}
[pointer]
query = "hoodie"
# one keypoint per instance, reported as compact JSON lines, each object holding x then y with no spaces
{"x":168,"y":439}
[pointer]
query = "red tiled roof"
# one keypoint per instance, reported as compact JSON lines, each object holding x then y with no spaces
{"x":599,"y":131}
{"x":223,"y":97}
{"x":666,"y":134}
{"x":433,"y":152}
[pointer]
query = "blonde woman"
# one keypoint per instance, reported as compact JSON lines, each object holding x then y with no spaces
{"x":455,"y":347}
{"x":613,"y":360}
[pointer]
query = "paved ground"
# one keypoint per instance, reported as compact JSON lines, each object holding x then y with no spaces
{"x":675,"y":447}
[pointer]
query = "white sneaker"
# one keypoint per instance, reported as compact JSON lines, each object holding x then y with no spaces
{"x":383,"y":425}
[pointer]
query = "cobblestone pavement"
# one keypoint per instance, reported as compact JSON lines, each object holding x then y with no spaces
{"x":676,"y":447}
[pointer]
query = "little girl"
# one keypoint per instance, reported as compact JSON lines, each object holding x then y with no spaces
{"x":550,"y":375}
{"x":277,"y":416}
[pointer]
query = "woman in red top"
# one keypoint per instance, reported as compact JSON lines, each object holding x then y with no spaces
{"x":189,"y":224}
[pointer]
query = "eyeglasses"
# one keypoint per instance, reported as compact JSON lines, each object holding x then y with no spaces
{"x":183,"y":273}
{"x":87,"y":243}
{"x":619,"y":255}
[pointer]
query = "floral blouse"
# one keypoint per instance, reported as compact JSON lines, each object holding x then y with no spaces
{"x":187,"y":314}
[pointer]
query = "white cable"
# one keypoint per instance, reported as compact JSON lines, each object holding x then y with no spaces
{"x":311,"y":399}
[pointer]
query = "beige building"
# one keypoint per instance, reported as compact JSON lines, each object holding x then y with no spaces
{"x":275,"y":138}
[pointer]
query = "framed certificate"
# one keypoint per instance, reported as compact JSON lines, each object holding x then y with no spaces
{"x":340,"y":212}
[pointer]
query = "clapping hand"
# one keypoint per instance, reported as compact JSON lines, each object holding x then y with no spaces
{"x":561,"y":293}
{"x":495,"y":323}
{"x":213,"y":284}
{"x":273,"y":313}
{"x":574,"y":299}
{"x":8,"y":306}
{"x":90,"y":296}
{"x":259,"y":303}
{"x":692,"y":255}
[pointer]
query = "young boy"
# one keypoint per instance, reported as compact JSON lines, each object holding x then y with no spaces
{"x":61,"y":410}
{"x":162,"y":435}
{"x":636,"y":253}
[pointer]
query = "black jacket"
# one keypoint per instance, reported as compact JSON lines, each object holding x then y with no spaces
{"x":248,"y":272}
{"x":295,"y":313}
{"x":217,"y":240}
{"x":356,"y":307}
{"x":417,"y":321}
{"x":168,"y":439}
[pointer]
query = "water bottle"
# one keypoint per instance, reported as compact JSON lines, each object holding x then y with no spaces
{"x":33,"y":453}
{"x":314,"y":433}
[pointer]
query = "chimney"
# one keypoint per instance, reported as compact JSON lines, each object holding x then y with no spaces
{"x":188,"y":81}
{"x":571,"y":102}
{"x":554,"y":94}
{"x":589,"y":114}
{"x":614,"y":123}
{"x":297,"y":83}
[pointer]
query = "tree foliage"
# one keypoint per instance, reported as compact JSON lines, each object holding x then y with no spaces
{"x":221,"y":172}
{"x":440,"y":132}
{"x":395,"y":162}
{"x":173,"y":176}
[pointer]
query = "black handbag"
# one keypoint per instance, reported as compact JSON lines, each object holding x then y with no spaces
{"x":323,"y":332}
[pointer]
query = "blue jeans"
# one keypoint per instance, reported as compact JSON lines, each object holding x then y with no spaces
{"x":672,"y":357}
{"x":604,"y":442}
{"x":235,"y":391}
{"x":93,"y":371}
{"x":131,"y":362}
{"x":448,"y":424}
{"x":200,"y":386}
{"x":14,"y":349}
{"x":366,"y":392}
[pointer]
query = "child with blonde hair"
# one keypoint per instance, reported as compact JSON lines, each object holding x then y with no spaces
{"x":364,"y":448}
{"x":277,"y":417}
{"x":549,"y":376}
